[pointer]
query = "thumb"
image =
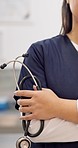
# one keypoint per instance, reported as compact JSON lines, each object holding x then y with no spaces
{"x":34,"y":87}
{"x":44,"y":89}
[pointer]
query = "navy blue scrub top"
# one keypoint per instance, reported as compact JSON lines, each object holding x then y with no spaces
{"x":55,"y":62}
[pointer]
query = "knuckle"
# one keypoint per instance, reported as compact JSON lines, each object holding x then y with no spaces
{"x":36,"y":94}
{"x":34,"y":115}
{"x":29,"y":117}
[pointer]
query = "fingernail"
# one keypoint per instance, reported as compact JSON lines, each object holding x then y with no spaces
{"x":19,"y":108}
{"x":15,"y":92}
{"x":18,"y":102}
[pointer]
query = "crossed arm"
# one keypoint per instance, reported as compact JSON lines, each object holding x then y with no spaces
{"x":61,"y":116}
{"x":45,"y":104}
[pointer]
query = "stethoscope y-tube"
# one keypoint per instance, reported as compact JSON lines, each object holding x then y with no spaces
{"x":37,"y":83}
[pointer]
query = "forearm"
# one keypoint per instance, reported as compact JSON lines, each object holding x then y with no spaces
{"x":45,"y":104}
{"x":67,"y":110}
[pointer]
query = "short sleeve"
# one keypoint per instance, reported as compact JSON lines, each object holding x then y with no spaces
{"x":35,"y":63}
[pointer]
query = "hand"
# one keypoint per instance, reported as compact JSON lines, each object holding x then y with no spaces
{"x":42,"y":105}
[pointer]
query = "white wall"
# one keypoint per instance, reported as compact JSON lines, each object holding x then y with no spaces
{"x":45,"y":21}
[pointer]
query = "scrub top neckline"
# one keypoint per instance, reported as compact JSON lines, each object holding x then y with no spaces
{"x":75,"y":45}
{"x":71,"y":43}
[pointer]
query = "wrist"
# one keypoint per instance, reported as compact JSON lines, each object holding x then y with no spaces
{"x":58,"y":108}
{"x":67,"y":110}
{"x":55,"y":107}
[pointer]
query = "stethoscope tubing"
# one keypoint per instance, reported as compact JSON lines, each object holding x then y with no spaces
{"x":37,"y":83}
{"x":24,"y":123}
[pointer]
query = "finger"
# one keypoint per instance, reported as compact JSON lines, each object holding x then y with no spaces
{"x":34,"y":87}
{"x":27,"y":117}
{"x":25,"y":109}
{"x":44,"y":89}
{"x":24,"y":102}
{"x":25,"y":93}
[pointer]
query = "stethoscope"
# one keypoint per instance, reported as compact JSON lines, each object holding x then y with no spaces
{"x":25,"y":142}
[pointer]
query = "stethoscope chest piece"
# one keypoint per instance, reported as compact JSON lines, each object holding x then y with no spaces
{"x":23,"y":142}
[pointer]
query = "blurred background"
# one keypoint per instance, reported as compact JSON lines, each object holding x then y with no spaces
{"x":21,"y":24}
